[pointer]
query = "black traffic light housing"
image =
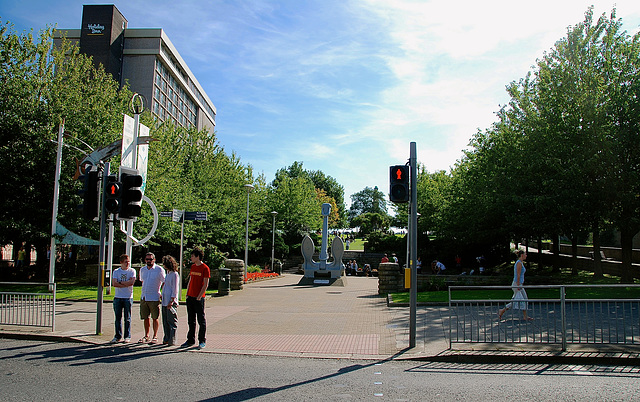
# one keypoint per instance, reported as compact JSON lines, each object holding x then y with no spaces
{"x":112,"y":195}
{"x":399,"y":184}
{"x":131,"y":194}
{"x":90,"y":195}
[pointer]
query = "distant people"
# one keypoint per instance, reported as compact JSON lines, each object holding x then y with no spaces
{"x":458,"y":262}
{"x":437,"y":267}
{"x":394,"y":258}
{"x":22,"y":257}
{"x":367,"y":269}
{"x":348,"y":243}
{"x":419,"y":265}
{"x":170,"y":299}
{"x":354,"y":267}
{"x":152,"y":277}
{"x":481,"y":263}
{"x":384,"y":259}
{"x":519,"y":299}
{"x":123,"y":279}
{"x":198,"y":284}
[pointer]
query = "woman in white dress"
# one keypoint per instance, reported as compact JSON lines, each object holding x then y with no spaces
{"x":519,"y":299}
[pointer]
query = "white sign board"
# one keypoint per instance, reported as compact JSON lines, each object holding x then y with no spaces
{"x":143,"y":156}
{"x":127,"y":142}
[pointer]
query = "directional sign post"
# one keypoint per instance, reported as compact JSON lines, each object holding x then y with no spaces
{"x":179,"y":216}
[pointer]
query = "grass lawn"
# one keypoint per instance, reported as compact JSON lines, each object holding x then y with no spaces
{"x":357,"y":244}
{"x":72,"y":291}
{"x":572,"y":293}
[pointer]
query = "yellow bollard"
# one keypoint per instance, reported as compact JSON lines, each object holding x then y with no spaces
{"x":407,"y":278}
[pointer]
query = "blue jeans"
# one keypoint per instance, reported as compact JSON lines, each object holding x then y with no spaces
{"x":195,"y":309}
{"x":118,"y":306}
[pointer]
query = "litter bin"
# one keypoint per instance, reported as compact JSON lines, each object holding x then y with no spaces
{"x":224,"y":283}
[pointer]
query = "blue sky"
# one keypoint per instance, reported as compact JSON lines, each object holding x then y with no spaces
{"x":345,"y":85}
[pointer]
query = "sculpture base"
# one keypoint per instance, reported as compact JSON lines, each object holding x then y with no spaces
{"x":321,"y":281}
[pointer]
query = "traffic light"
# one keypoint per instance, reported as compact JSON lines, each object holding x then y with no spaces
{"x":113,"y":195}
{"x":399,"y":184}
{"x":90,"y":195}
{"x":131,"y":194}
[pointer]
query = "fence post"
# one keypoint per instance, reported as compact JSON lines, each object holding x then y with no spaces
{"x":563,"y":317}
{"x":450,"y":318}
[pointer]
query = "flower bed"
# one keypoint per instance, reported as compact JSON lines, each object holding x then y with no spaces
{"x":258,"y":276}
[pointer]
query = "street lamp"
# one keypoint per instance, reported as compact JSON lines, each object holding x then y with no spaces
{"x":248,"y":187}
{"x":273,"y":239}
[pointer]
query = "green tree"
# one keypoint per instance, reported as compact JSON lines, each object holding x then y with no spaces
{"x":320,"y":181}
{"x":41,"y":87}
{"x":369,"y":200}
{"x":188,"y":170}
{"x":298,"y":207}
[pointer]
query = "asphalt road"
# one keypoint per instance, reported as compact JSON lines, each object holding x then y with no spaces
{"x":38,"y":370}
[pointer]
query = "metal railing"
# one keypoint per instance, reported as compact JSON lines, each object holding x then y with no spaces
{"x":28,"y":309}
{"x":559,"y":320}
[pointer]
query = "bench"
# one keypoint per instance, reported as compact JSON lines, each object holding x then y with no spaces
{"x":602,"y":256}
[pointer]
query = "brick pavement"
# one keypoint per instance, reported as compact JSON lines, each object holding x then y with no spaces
{"x":273,"y":317}
{"x":278,"y":317}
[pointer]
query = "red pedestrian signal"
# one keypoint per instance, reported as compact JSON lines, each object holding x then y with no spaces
{"x":399,"y":184}
{"x":112,"y":199}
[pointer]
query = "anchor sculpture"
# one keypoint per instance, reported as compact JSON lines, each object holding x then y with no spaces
{"x":323,"y":269}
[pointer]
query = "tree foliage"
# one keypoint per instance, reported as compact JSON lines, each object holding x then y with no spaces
{"x":564,"y":155}
{"x":42,"y":87}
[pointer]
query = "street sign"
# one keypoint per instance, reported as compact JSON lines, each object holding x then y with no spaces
{"x":195,"y":216}
{"x":177,"y":215}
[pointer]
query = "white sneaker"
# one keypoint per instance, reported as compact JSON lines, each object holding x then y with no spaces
{"x":114,"y":340}
{"x":127,"y":340}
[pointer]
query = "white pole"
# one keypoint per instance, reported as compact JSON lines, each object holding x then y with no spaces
{"x":54,"y":215}
{"x":273,"y":239}
{"x":134,"y":155}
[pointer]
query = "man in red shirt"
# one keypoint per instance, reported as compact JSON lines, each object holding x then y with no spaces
{"x":198,"y":283}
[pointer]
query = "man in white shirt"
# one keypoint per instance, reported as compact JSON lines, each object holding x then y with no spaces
{"x":152,"y":277}
{"x":123,"y":280}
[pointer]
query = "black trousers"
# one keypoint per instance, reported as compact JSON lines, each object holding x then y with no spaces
{"x":195,"y":310}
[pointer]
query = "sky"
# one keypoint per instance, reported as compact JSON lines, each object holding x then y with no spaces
{"x":345,"y":86}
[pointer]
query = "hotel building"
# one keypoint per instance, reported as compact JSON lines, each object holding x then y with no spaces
{"x":148,"y":61}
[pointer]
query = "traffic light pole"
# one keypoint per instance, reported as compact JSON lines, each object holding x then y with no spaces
{"x":413,"y":297}
{"x":101,"y":256}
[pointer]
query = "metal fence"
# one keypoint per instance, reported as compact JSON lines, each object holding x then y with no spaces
{"x":559,"y":320}
{"x":28,"y":309}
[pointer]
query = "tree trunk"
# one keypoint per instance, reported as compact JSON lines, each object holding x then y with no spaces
{"x":556,"y":254}
{"x":540,"y":266}
{"x":597,"y":260}
{"x":626,"y":243}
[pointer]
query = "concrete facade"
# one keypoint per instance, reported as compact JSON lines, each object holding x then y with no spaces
{"x":146,"y":60}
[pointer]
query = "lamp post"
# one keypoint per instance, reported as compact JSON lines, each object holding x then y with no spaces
{"x":273,"y":239}
{"x":248,"y":187}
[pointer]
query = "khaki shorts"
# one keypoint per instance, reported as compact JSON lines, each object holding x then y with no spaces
{"x":149,"y":308}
